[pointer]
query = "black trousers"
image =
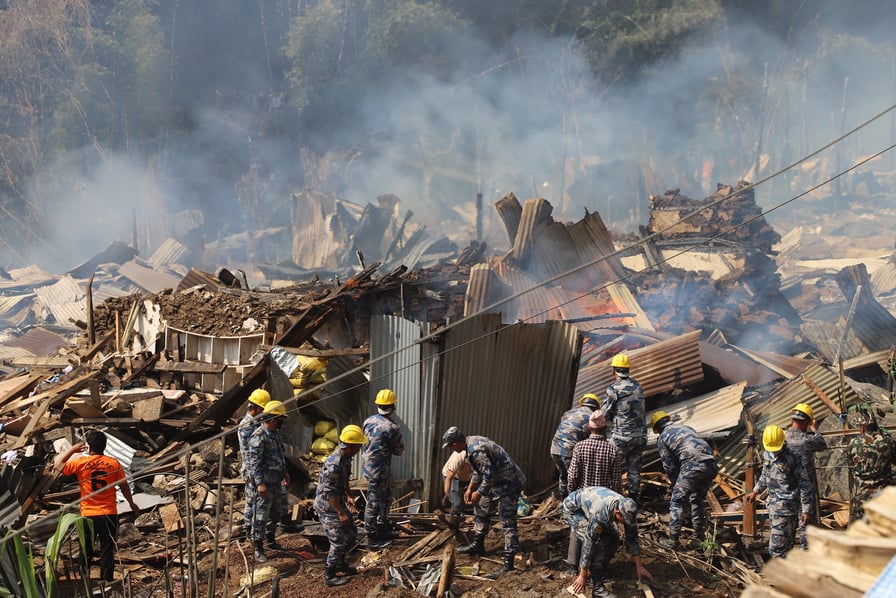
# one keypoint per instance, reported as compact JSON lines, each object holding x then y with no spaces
{"x":105,"y":530}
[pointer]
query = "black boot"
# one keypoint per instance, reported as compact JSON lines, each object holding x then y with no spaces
{"x":477,"y":546}
{"x":259,"y":552}
{"x":344,"y":567}
{"x":507,"y":566}
{"x":272,"y":542}
{"x":330,"y":578}
{"x":671,"y":542}
{"x":599,"y":590}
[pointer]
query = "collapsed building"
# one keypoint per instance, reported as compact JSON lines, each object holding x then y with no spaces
{"x":163,"y":355}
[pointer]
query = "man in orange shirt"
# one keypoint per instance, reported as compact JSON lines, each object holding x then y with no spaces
{"x":98,"y":475}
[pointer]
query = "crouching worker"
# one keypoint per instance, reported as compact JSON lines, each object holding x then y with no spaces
{"x":335,"y":506}
{"x":592,"y":513}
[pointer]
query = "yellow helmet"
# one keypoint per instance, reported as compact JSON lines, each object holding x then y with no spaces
{"x":275,"y":409}
{"x":385,"y":397}
{"x":590,"y":397}
{"x":260,"y":397}
{"x":352,"y":434}
{"x":656,"y":418}
{"x":773,"y":438}
{"x":802,"y":412}
{"x":620,"y":360}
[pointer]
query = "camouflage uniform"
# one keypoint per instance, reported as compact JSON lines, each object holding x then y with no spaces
{"x":267,"y":463}
{"x":573,"y":428}
{"x":690,"y":464}
{"x":333,"y":483}
{"x":246,"y":428}
{"x":871,"y":455}
{"x":498,"y":479}
{"x":624,"y":407}
{"x":789,"y":491}
{"x":591,"y":514}
{"x":805,"y":445}
{"x":384,"y":440}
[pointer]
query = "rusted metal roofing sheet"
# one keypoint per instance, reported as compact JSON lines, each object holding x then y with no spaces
{"x":509,"y":383}
{"x":319,"y":230}
{"x":825,"y":336}
{"x":712,"y":415}
{"x":784,"y":365}
{"x":170,"y":251}
{"x":39,"y":342}
{"x":733,"y":367}
{"x":877,"y":357}
{"x":16,"y":310}
{"x":658,"y":368}
{"x":147,"y":279}
{"x":195,"y":278}
{"x":400,"y":363}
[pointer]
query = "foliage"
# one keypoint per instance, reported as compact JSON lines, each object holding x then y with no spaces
{"x":25,"y":564}
{"x":84,"y":528}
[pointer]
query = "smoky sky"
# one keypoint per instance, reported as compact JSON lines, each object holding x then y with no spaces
{"x":495,"y":121}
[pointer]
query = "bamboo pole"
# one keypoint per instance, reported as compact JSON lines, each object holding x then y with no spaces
{"x":213,"y":575}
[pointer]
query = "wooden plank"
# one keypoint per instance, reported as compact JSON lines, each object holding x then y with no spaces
{"x":84,"y":407}
{"x":447,"y":570}
{"x":148,"y":410}
{"x":49,"y":398}
{"x":870,"y":555}
{"x":189,"y":367}
{"x":19,"y":386}
{"x":171,"y":519}
{"x":804,"y":575}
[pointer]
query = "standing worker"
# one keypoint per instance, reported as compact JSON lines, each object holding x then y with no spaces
{"x":691,"y":466}
{"x":384,"y":441}
{"x":573,"y":428}
{"x":497,"y":481}
{"x":871,"y":454}
{"x":95,"y":471}
{"x":595,"y":462}
{"x":334,"y":504}
{"x":267,"y":466}
{"x":624,"y":406}
{"x":592,"y":513}
{"x":247,"y":426}
{"x":789,"y":491}
{"x":803,"y":439}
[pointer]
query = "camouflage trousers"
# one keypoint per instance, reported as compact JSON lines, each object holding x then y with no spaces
{"x":251,"y":494}
{"x":602,"y":548}
{"x":863,"y":492}
{"x":690,"y":488}
{"x":376,"y":512}
{"x":631,"y":449}
{"x":341,"y":537}
{"x":562,"y":465}
{"x":783,"y":522}
{"x":268,"y":511}
{"x":505,"y":498}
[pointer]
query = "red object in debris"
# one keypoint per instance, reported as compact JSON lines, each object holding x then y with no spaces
{"x":306,"y":555}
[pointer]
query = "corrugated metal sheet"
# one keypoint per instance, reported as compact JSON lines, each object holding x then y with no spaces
{"x":883,"y":280}
{"x":8,"y":353}
{"x":398,"y":362}
{"x":826,"y":336}
{"x":712,"y":415}
{"x":16,"y":310}
{"x":733,"y":367}
{"x":26,"y":278}
{"x":509,"y":383}
{"x":319,"y":230}
{"x":170,"y":251}
{"x":658,"y":368}
{"x":65,"y":290}
{"x":195,"y":278}
{"x":877,"y":357}
{"x":39,"y":342}
{"x":784,"y":365}
{"x":146,"y":278}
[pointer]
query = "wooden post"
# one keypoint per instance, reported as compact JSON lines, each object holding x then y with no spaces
{"x":91,"y":332}
{"x":447,"y":570}
{"x":749,"y":522}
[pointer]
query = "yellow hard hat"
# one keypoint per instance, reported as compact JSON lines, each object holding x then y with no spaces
{"x":802,"y":412}
{"x":656,"y":418}
{"x":385,"y":397}
{"x":773,"y":438}
{"x":275,"y":408}
{"x":352,"y":434}
{"x":589,"y":397}
{"x":620,"y":360}
{"x":260,"y":397}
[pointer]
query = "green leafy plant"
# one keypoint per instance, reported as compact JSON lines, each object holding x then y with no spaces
{"x":24,"y":561}
{"x":83,"y":525}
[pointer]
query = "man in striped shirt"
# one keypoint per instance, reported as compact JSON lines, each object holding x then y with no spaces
{"x":595,"y":462}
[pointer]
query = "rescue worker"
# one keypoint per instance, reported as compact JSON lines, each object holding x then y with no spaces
{"x":691,"y":466}
{"x":789,"y":491}
{"x":624,"y":407}
{"x":456,"y":474}
{"x":247,"y":426}
{"x":384,"y":441}
{"x":595,"y":462}
{"x":803,"y":439}
{"x":267,"y":466}
{"x":334,"y":504}
{"x":592,"y":513}
{"x":573,"y":428}
{"x":871,"y":454}
{"x":496,"y":481}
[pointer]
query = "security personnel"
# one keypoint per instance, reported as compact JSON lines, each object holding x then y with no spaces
{"x":384,"y":441}
{"x":573,"y":428}
{"x":803,"y":439}
{"x":496,"y":480}
{"x":267,"y":465}
{"x":624,"y":407}
{"x":871,"y":455}
{"x":789,"y":491}
{"x":247,"y":426}
{"x":334,"y":504}
{"x":691,"y":466}
{"x":592,"y":514}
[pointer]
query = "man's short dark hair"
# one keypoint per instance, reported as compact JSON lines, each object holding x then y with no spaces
{"x":96,"y":440}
